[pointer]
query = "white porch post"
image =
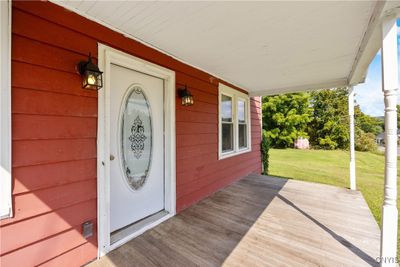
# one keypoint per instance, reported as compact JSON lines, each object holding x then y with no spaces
{"x":390,"y":86}
{"x":352,"y":152}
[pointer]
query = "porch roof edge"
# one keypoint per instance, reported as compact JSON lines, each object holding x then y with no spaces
{"x":371,"y":42}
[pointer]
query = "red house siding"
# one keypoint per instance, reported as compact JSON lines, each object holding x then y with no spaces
{"x":54,"y":136}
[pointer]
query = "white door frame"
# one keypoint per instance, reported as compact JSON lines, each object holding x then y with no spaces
{"x":106,"y":57}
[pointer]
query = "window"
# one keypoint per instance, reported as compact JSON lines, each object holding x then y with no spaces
{"x":234,"y":127}
{"x":227,"y":123}
{"x":242,"y":123}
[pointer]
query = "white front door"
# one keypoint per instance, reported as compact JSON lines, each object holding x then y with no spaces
{"x":136,"y":146}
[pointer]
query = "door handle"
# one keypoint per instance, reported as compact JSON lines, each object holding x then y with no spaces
{"x":112,"y":157}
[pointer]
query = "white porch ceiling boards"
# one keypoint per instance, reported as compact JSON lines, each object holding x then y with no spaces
{"x":263,"y":47}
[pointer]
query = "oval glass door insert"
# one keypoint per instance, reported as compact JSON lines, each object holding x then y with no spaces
{"x":136,"y":138}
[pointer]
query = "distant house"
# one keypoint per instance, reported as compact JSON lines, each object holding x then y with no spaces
{"x":302,"y":143}
{"x":380,"y":138}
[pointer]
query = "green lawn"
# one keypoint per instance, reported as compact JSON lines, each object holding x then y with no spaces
{"x":332,"y":167}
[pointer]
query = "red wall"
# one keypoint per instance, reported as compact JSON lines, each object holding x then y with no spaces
{"x":54,"y":136}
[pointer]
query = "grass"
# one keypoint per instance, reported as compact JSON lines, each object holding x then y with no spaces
{"x":332,"y":167}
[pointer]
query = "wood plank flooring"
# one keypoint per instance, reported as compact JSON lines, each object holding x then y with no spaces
{"x":261,"y":221}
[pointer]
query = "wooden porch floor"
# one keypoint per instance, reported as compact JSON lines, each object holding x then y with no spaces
{"x":261,"y":221}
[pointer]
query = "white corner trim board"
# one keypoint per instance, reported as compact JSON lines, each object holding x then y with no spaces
{"x":5,"y":110}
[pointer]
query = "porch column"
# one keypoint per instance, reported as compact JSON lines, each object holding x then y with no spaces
{"x":389,"y":87}
{"x":352,"y":152}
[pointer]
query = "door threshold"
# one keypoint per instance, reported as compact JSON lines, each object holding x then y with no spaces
{"x":123,"y":235}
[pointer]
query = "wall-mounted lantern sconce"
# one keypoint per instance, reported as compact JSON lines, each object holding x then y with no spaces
{"x":187,"y":98}
{"x":91,"y":75}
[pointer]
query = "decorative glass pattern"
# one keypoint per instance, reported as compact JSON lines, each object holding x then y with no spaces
{"x":136,"y":138}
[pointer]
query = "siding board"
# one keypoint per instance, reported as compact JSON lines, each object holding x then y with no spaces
{"x":28,"y":101}
{"x":191,"y":116}
{"x":33,"y":152}
{"x":30,"y":127}
{"x":46,"y":225}
{"x":51,"y":33}
{"x":77,"y":256}
{"x":50,"y":199}
{"x":198,"y":168}
{"x":190,"y":151}
{"x":197,"y":184}
{"x":37,"y":53}
{"x":196,"y":128}
{"x":196,"y":139}
{"x":41,"y":251}
{"x":32,"y":178}
{"x":53,"y":80}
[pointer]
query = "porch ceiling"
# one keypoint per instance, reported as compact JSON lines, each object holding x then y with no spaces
{"x":263,"y":47}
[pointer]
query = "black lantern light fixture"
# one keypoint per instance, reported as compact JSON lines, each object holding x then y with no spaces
{"x":91,"y":75}
{"x":187,"y":98}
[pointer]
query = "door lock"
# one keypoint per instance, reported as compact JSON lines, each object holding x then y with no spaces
{"x":112,"y":157}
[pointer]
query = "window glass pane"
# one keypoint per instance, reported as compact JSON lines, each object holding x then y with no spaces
{"x":227,"y":137}
{"x":241,"y":111}
{"x":136,"y":138}
{"x":242,"y":135}
{"x":226,"y":108}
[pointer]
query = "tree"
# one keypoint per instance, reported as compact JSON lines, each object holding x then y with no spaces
{"x":321,"y":115}
{"x":367,"y":123}
{"x":329,"y":127}
{"x":285,"y":118}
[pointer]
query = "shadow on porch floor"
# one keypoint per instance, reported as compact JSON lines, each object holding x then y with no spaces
{"x":261,"y":221}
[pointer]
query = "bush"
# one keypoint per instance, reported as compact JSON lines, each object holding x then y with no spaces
{"x":264,"y":148}
{"x":365,"y":141}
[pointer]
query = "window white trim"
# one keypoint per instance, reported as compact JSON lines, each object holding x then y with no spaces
{"x":5,"y":110}
{"x":236,"y":95}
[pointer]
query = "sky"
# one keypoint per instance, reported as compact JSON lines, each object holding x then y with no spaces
{"x":369,"y":94}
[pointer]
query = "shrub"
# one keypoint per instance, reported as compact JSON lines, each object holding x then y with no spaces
{"x":365,"y":141}
{"x":264,"y":147}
